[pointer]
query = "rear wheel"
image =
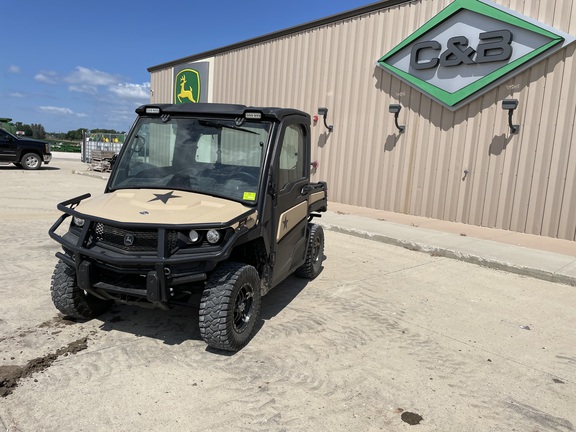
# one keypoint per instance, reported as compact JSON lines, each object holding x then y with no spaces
{"x":314,"y":253}
{"x":230,"y":306}
{"x":31,"y":161}
{"x":70,"y":299}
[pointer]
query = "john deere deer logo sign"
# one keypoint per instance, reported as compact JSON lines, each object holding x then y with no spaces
{"x":187,"y":87}
{"x":469,"y":48}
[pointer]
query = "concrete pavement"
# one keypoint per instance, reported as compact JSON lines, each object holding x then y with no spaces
{"x":525,"y":254}
{"x":381,"y":332}
{"x":540,"y":257}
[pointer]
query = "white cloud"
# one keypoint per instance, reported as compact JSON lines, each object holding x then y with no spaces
{"x":89,"y":89}
{"x":46,"y":77}
{"x":61,"y":111}
{"x":57,"y":110}
{"x":108,"y":100}
{"x":138,"y":92}
{"x":14,"y":69}
{"x":17,"y":95}
{"x":91,"y":77}
{"x":85,"y":80}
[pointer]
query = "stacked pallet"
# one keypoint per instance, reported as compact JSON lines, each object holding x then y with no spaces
{"x":101,"y":160}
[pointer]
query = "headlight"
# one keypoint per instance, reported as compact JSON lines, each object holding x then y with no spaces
{"x":194,"y":236}
{"x":79,"y":222}
{"x":213,"y":236}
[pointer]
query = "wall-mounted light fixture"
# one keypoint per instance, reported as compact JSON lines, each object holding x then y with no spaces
{"x":510,"y":105}
{"x":395,"y":109}
{"x":324,"y":112}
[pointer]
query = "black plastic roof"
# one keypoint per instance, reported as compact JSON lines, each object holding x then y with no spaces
{"x":383,"y":4}
{"x":220,"y":109}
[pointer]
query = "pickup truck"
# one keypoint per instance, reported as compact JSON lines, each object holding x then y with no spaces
{"x":23,"y":152}
{"x":212,"y":200}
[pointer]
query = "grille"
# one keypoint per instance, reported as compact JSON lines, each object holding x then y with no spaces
{"x":142,"y":240}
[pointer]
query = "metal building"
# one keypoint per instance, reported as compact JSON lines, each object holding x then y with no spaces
{"x":463,"y":155}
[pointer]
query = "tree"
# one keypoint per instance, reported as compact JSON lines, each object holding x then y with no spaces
{"x":105,"y":131}
{"x":38,"y":131}
{"x":75,"y":135}
{"x":24,"y":128}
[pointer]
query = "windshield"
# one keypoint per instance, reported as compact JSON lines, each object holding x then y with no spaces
{"x":218,"y":157}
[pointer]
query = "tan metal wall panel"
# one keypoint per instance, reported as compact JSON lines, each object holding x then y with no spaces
{"x":566,"y":198}
{"x":551,"y":165}
{"x":521,"y":182}
{"x":161,"y":86}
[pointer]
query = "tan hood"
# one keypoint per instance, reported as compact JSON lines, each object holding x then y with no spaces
{"x":161,"y":206}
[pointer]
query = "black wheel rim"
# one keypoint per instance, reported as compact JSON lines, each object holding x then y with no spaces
{"x":316,"y":252}
{"x":243,"y":307}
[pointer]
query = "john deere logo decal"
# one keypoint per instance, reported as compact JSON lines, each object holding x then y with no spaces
{"x":129,"y":239}
{"x":468,"y":49}
{"x":187,"y":87}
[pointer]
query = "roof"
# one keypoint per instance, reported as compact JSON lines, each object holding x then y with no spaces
{"x":221,"y":109}
{"x":281,"y":33}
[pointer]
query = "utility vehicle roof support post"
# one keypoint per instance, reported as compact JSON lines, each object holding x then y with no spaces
{"x":272,"y":192}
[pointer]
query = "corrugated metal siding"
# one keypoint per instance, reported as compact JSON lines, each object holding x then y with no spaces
{"x":518,"y":182}
{"x":162,"y":86}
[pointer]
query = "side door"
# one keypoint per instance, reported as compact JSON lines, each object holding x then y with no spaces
{"x":7,"y":147}
{"x":290,"y":211}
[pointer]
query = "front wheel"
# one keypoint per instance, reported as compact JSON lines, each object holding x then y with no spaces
{"x":230,"y":306}
{"x":31,"y":161}
{"x":314,"y":253}
{"x":70,"y":299}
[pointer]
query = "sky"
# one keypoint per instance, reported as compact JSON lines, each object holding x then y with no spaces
{"x":83,"y":64}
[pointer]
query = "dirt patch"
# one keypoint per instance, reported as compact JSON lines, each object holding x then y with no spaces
{"x":11,"y":375}
{"x":411,"y":418}
{"x":58,"y":321}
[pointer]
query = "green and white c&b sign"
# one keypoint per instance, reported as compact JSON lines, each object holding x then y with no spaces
{"x":469,"y":48}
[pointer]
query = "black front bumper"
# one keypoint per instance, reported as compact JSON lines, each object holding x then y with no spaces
{"x":156,"y":273}
{"x":157,"y":287}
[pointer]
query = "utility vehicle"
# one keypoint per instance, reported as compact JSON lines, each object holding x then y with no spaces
{"x":203,"y":198}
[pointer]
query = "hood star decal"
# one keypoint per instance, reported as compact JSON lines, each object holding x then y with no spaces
{"x":164,"y":197}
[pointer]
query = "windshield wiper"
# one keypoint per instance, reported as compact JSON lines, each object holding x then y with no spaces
{"x":220,"y":126}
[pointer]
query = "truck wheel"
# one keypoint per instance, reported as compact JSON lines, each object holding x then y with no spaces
{"x":314,"y":253}
{"x":230,"y":306}
{"x":70,"y":299}
{"x":31,"y":161}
